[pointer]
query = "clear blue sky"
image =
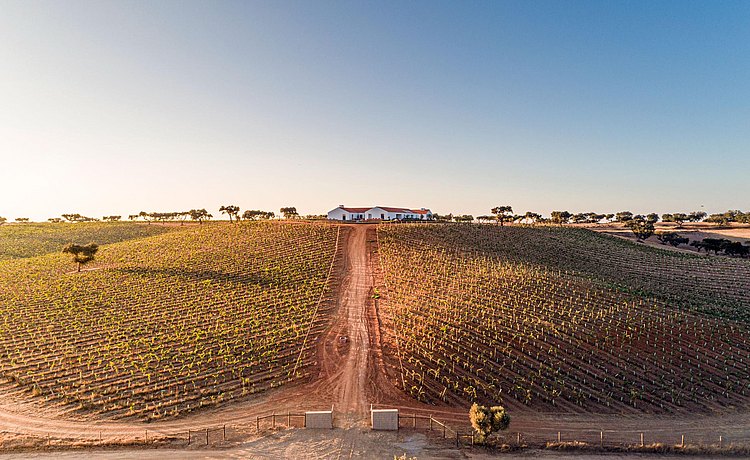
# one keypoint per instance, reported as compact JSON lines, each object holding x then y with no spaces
{"x":117,"y":107}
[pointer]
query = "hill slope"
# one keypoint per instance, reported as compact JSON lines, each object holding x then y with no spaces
{"x":170,"y":323}
{"x":36,"y":239}
{"x":563,"y":320}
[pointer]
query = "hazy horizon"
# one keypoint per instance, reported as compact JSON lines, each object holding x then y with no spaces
{"x":121,"y":107}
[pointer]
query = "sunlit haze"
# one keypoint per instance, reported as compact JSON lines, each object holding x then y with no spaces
{"x":121,"y":107}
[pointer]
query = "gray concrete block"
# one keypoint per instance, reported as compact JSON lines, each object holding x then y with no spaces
{"x":322,"y":419}
{"x":384,"y":419}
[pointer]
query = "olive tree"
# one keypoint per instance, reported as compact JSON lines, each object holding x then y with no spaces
{"x":487,"y":420}
{"x":81,"y":254}
{"x":502,"y":213}
{"x":561,"y":217}
{"x":231,"y":211}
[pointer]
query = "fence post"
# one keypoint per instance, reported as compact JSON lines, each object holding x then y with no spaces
{"x":224,"y":438}
{"x":188,"y":437}
{"x":100,"y":435}
{"x":206,"y":436}
{"x":414,"y":424}
{"x":721,"y":441}
{"x":456,"y":438}
{"x":682,"y":443}
{"x":443,"y":431}
{"x":601,"y":439}
{"x":257,"y":425}
{"x":518,"y":439}
{"x":430,"y":422}
{"x":642,"y":440}
{"x":288,"y":420}
{"x":146,"y":435}
{"x":559,"y":437}
{"x":273,"y":418}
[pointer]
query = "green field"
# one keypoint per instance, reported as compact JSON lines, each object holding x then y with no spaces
{"x":162,"y":325}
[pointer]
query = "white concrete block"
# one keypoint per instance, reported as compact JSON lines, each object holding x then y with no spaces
{"x":384,"y":419}
{"x":322,"y":419}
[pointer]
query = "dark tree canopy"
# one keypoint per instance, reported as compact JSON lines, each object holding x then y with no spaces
{"x":231,"y":211}
{"x":256,"y":214}
{"x":560,"y":217}
{"x":200,"y":215}
{"x":671,"y":238}
{"x":289,"y":212}
{"x":487,"y":420}
{"x":624,"y":216}
{"x":641,"y":227}
{"x":81,"y":254}
{"x":502,"y":213}
{"x":77,"y":218}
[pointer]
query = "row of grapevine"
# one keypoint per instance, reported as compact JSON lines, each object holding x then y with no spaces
{"x":493,"y":324}
{"x":167,"y":324}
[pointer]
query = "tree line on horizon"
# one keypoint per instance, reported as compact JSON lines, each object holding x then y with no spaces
{"x":195,"y":215}
{"x":499,"y":214}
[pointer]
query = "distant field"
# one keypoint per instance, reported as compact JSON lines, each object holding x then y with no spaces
{"x":34,"y":239}
{"x":164,"y":325}
{"x":559,"y":319}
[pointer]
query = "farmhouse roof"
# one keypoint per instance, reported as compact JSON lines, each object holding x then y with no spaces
{"x":385,"y":208}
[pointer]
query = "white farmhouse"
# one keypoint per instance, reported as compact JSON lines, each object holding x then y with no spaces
{"x":344,"y":213}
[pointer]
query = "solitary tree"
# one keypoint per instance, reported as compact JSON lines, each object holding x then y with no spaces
{"x":54,"y":220}
{"x":22,"y":219}
{"x":487,"y":420}
{"x":111,"y":218}
{"x":502,"y":213}
{"x":289,"y":212}
{"x":81,"y":254}
{"x":641,"y":227}
{"x":231,"y":211}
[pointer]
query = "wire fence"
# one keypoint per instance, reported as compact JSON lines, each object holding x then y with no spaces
{"x":726,"y":437}
{"x":703,"y":438}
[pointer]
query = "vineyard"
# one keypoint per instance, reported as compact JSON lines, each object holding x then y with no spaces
{"x":33,"y":239}
{"x":163,"y":325}
{"x":557,"y":319}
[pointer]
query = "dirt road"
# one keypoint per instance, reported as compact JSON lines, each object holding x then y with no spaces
{"x":346,"y":347}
